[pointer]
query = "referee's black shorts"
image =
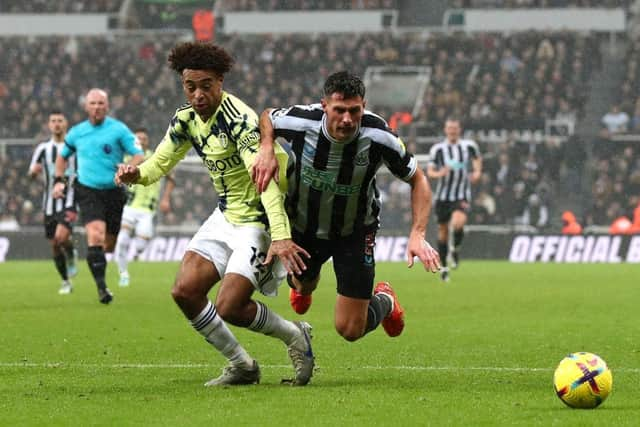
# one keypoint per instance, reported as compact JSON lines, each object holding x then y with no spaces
{"x":445,"y":208}
{"x":102,"y":205}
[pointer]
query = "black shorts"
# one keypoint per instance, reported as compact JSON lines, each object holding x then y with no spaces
{"x":444,"y":209}
{"x":102,"y":205}
{"x":51,"y":223}
{"x":353,"y":261}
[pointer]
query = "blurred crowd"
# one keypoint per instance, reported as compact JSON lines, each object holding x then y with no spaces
{"x":480,"y":4}
{"x":267,"y":5}
{"x":60,"y":6}
{"x":490,"y":81}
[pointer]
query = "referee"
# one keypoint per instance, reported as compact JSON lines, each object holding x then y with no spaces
{"x":99,"y":143}
{"x":457,"y":164}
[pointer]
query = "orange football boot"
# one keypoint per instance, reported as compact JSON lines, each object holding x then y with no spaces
{"x":393,"y":324}
{"x":299,"y":302}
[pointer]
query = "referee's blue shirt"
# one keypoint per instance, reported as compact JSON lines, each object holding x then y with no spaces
{"x":99,"y":149}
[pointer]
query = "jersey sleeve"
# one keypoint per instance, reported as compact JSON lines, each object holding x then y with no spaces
{"x":173,"y":147}
{"x":400,"y":162}
{"x":474,"y":150}
{"x":69,"y":144}
{"x":287,"y":121}
{"x":435,"y":157}
{"x":247,"y":137}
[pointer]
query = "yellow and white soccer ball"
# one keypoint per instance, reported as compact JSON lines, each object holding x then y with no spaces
{"x":582,"y":380}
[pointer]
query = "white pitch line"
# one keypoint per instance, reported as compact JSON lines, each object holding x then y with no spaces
{"x":54,"y":365}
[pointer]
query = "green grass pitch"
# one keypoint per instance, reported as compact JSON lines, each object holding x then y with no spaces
{"x":480,"y":350}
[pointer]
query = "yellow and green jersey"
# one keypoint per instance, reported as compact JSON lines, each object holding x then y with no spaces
{"x":228,"y":144}
{"x":144,"y":198}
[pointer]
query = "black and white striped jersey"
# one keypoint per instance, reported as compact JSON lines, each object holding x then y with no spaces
{"x":458,"y":157}
{"x":332,"y":186}
{"x":45,"y":154}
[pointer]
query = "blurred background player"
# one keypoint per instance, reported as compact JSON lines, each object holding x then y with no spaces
{"x":450,"y":161}
{"x":99,"y":143}
{"x":59,"y":214}
{"x":138,"y":216}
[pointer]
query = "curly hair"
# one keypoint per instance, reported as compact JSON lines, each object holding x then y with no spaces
{"x":345,"y":83}
{"x":200,"y":56}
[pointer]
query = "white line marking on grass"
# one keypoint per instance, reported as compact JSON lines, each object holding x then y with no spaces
{"x":204,"y":366}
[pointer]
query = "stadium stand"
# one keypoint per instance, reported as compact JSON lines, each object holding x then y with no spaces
{"x":271,"y":5}
{"x":503,"y":84}
{"x":520,"y":4}
{"x":60,"y":6}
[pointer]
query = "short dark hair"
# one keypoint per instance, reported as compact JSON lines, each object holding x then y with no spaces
{"x":349,"y":85}
{"x":56,"y":112}
{"x":141,"y":129}
{"x":200,"y":56}
{"x":453,"y":119}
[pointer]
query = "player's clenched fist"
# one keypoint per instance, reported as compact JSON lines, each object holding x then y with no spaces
{"x":127,"y":174}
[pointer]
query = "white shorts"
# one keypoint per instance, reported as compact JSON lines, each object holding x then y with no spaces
{"x":140,"y":222}
{"x":238,"y":249}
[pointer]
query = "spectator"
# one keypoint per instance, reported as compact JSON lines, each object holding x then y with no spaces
{"x":614,"y":122}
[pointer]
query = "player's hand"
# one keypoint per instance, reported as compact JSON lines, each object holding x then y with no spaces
{"x":475,"y":177}
{"x":70,"y":216}
{"x":264,"y":168}
{"x":418,"y":247}
{"x":444,"y":171}
{"x":58,"y":190}
{"x":35,"y":170}
{"x":127,"y":174}
{"x":289,"y":254}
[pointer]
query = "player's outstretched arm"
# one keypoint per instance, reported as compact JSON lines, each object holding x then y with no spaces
{"x":290,"y":255}
{"x":136,"y":160}
{"x":421,"y":209}
{"x":433,"y":172}
{"x":265,"y":165}
{"x":476,"y":174}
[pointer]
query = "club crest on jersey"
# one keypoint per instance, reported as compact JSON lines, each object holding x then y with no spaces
{"x":224,"y":140}
{"x":362,"y":159}
{"x":107,"y":149}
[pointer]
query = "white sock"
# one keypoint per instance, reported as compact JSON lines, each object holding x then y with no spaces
{"x":122,"y":250}
{"x":140,"y":244}
{"x":270,"y":323}
{"x":217,"y":333}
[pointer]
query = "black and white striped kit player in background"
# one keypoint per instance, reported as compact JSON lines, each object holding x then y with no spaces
{"x":457,"y":163}
{"x":333,"y":203}
{"x":59,"y":214}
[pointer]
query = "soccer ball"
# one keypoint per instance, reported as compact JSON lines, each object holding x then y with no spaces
{"x":582,"y":380}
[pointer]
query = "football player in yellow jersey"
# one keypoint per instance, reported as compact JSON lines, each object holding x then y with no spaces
{"x":246,"y":243}
{"x":137,"y":227}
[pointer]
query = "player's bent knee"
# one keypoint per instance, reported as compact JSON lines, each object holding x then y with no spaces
{"x":184,"y":292}
{"x":350,"y":331}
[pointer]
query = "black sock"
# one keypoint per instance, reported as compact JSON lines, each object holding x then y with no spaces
{"x":290,"y":282}
{"x":61,"y":265}
{"x":457,"y":238}
{"x":379,"y":308}
{"x":97,"y":264}
{"x":68,"y":249}
{"x":443,"y":250}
